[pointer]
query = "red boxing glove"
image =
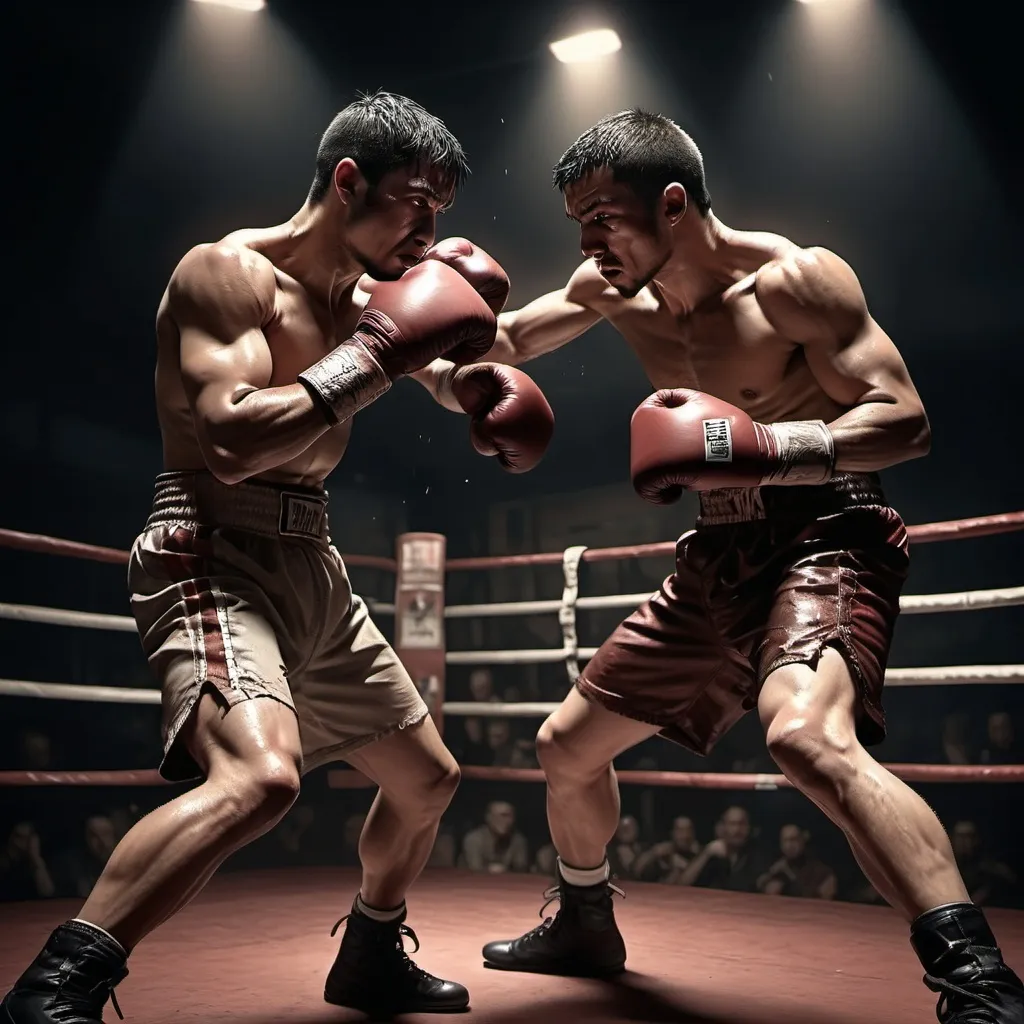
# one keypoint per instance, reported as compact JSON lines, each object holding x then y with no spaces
{"x":686,"y":440}
{"x":511,"y":417}
{"x":482,"y":271}
{"x":429,"y":311}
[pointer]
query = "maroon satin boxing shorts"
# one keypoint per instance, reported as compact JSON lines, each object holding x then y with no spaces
{"x":770,"y":576}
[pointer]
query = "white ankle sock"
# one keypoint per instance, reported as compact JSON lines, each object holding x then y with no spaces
{"x":97,"y":928}
{"x":584,"y":876}
{"x":376,"y":914}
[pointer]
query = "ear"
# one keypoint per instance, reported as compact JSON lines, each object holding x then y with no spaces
{"x":674,"y":202}
{"x":347,"y":179}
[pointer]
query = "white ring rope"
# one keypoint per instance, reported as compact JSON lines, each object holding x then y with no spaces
{"x":966,"y":600}
{"x":943,"y":676}
{"x":75,"y":691}
{"x":910,"y":604}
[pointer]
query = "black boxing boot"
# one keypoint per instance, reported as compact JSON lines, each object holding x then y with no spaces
{"x":963,"y":963}
{"x":372,"y":972}
{"x":69,"y":981}
{"x":581,"y":941}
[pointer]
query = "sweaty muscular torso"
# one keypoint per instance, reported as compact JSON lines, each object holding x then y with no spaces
{"x":725,"y":346}
{"x":299,"y":331}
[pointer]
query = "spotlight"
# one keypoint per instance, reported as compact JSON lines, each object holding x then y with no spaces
{"x":586,"y":46}
{"x":238,"y":5}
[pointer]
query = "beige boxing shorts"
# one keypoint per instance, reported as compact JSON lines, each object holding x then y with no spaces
{"x":237,"y":591}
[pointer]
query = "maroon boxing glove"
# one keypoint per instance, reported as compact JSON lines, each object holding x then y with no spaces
{"x":686,"y":440}
{"x":511,"y":418}
{"x":430,"y":311}
{"x":482,"y":271}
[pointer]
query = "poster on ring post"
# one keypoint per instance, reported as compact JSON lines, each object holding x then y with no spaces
{"x":419,"y":614}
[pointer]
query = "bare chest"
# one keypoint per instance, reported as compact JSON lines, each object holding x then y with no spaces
{"x":301,"y":333}
{"x":726,"y":348}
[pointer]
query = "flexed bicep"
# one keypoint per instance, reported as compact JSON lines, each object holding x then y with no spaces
{"x":219,"y":298}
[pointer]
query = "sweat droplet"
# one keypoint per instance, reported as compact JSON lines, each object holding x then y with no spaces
{"x":427,"y":491}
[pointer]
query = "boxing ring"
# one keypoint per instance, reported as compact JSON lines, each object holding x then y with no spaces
{"x":255,"y":946}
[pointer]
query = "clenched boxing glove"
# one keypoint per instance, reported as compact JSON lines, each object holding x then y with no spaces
{"x":687,"y":440}
{"x":511,"y":418}
{"x":430,"y":311}
{"x":482,"y":271}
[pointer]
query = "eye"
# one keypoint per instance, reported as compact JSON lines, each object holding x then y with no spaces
{"x":420,"y":202}
{"x":599,"y":218}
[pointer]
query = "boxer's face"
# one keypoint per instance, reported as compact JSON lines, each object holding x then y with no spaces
{"x":391,"y":224}
{"x":620,"y":231}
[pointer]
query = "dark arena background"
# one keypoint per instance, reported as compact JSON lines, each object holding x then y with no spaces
{"x":885,"y":131}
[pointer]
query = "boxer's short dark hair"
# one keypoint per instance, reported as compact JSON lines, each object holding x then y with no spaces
{"x":382,"y":131}
{"x":646,"y":151}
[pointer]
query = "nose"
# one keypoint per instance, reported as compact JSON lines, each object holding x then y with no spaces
{"x":590,"y":243}
{"x":426,"y":230}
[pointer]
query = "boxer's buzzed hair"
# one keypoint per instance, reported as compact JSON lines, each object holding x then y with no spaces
{"x":382,"y":131}
{"x":646,"y":151}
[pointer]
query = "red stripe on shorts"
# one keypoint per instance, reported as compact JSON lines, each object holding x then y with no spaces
{"x":184,"y":554}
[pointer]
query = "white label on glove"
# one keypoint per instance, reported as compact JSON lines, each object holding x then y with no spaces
{"x":717,"y":440}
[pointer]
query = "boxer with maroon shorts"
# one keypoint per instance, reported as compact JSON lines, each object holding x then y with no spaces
{"x":779,"y":398}
{"x":268,"y":343}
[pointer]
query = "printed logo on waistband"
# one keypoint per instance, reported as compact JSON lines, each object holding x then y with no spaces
{"x":717,"y":441}
{"x":301,"y":516}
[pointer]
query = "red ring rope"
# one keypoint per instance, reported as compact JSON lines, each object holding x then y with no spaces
{"x":150,"y":777}
{"x":749,"y":780}
{"x":75,"y":549}
{"x":345,"y":779}
{"x":981,"y":526}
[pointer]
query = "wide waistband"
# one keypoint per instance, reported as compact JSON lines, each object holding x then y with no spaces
{"x":744,"y":504}
{"x":284,"y":510}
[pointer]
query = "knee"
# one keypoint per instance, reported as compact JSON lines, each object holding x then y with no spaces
{"x":434,"y":790}
{"x":444,"y":783}
{"x":814,"y":753}
{"x":259,"y":792}
{"x":562,"y":758}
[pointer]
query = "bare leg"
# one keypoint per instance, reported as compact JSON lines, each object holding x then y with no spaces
{"x":417,"y":776}
{"x":576,"y":746}
{"x":251,"y":760}
{"x":808,"y":716}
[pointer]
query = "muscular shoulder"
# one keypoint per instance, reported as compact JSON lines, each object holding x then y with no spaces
{"x":222,"y":281}
{"x":803,"y":289}
{"x":589,"y":289}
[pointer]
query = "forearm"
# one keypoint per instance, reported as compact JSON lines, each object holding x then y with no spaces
{"x":436,"y":378}
{"x":260,"y":431}
{"x":875,"y":435}
{"x":694,"y":870}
